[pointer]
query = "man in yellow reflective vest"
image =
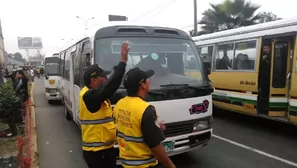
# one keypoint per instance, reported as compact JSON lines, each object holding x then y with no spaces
{"x":138,"y":131}
{"x":97,"y":124}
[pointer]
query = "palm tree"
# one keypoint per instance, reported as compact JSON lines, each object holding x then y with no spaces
{"x":268,"y":17}
{"x":228,"y":15}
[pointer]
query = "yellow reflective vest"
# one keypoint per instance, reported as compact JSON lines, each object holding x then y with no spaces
{"x":98,"y":129}
{"x":133,"y":150}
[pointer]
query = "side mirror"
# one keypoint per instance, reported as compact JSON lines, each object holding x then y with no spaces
{"x":207,"y":67}
{"x":46,"y":77}
{"x":208,"y":71}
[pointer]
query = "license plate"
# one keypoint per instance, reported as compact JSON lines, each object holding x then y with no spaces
{"x":52,"y":91}
{"x":169,"y":146}
{"x":249,"y":106}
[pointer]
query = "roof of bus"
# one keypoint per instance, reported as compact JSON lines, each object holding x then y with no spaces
{"x":50,"y":54}
{"x":254,"y":31}
{"x":92,"y":31}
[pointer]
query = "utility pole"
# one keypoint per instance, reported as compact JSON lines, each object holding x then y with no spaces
{"x":38,"y":54}
{"x":195,"y":18}
{"x":1,"y":66}
{"x":85,"y":23}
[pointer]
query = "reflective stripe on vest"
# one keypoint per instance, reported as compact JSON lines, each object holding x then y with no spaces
{"x":97,"y":144}
{"x":130,"y":138}
{"x":134,"y":152}
{"x":137,"y":162}
{"x":98,"y":129}
{"x":99,"y":121}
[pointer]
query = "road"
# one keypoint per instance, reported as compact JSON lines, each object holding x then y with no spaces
{"x":239,"y":141}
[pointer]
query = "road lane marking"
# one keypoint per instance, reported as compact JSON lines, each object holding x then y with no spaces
{"x":256,"y":150}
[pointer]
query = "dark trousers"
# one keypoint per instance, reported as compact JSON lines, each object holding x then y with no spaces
{"x":101,"y":159}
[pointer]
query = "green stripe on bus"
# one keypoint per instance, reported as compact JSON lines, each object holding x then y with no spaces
{"x":248,"y":101}
{"x":293,"y":108}
{"x":236,"y":99}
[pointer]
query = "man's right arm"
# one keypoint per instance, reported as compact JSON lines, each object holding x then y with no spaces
{"x":150,"y":127}
{"x":93,"y":98}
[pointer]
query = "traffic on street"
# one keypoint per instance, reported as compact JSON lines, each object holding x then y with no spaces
{"x":184,"y":84}
{"x":237,"y":141}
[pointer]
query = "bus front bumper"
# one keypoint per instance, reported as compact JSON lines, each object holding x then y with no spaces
{"x":53,"y":96}
{"x":184,"y":143}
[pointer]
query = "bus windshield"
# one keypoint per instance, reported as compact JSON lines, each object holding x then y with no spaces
{"x":51,"y":66}
{"x":175,"y":61}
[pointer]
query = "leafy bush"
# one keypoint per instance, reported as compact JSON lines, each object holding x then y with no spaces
{"x":10,"y":107}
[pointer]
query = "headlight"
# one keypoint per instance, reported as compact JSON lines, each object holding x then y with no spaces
{"x":201,"y":125}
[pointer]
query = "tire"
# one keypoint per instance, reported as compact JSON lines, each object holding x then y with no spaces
{"x":50,"y":101}
{"x":67,"y":114}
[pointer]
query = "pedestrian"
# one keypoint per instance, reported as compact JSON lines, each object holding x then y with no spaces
{"x":21,"y":87}
{"x":264,"y":79}
{"x":139,"y":133}
{"x":32,"y":73}
{"x":97,"y":125}
{"x":38,"y":72}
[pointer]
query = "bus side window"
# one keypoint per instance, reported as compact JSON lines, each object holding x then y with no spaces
{"x":224,"y":56}
{"x":76,"y":59}
{"x":85,"y":59}
{"x":64,"y":64}
{"x":206,"y":53}
{"x":245,"y":55}
{"x":61,"y":60}
{"x":67,"y":66}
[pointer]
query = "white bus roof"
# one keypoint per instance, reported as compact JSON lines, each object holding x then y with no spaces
{"x":254,"y":31}
{"x":50,"y":54}
{"x":92,"y":30}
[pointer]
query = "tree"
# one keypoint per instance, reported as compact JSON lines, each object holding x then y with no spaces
{"x":229,"y":14}
{"x":10,"y":55}
{"x":267,"y":17}
{"x":10,"y":107}
{"x":18,"y":56}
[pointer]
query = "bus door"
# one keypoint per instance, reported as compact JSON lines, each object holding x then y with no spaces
{"x":293,"y":86}
{"x":279,"y":81}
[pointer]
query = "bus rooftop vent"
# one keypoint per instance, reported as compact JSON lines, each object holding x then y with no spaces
{"x":131,"y":30}
{"x":166,"y":31}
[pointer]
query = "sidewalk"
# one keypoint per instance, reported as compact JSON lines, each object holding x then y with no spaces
{"x":59,"y":141}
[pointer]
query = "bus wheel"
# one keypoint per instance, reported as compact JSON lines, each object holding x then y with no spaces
{"x":50,"y":102}
{"x":67,"y":114}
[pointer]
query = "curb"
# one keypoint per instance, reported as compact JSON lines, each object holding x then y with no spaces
{"x":35,"y":154}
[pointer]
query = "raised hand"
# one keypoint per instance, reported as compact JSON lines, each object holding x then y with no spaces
{"x":125,"y":51}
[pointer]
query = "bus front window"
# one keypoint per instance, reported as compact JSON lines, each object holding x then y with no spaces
{"x":175,"y":61}
{"x":52,"y":68}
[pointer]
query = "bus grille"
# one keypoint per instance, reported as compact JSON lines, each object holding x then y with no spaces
{"x":175,"y":129}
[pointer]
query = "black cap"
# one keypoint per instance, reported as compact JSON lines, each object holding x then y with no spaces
{"x":94,"y":71}
{"x":134,"y":77}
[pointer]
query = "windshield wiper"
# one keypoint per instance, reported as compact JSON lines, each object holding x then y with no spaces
{"x":150,"y":91}
{"x":174,"y":85}
{"x":202,"y":87}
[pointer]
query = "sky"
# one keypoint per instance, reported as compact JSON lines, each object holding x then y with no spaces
{"x":54,"y":20}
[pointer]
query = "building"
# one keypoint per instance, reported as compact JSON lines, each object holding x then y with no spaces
{"x":36,"y":60}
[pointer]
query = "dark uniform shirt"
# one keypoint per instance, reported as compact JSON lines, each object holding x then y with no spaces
{"x":153,"y":134}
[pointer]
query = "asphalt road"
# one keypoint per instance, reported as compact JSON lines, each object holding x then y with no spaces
{"x":239,"y":141}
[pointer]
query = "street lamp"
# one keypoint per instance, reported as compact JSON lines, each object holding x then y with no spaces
{"x":67,"y":40}
{"x":85,"y":22}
